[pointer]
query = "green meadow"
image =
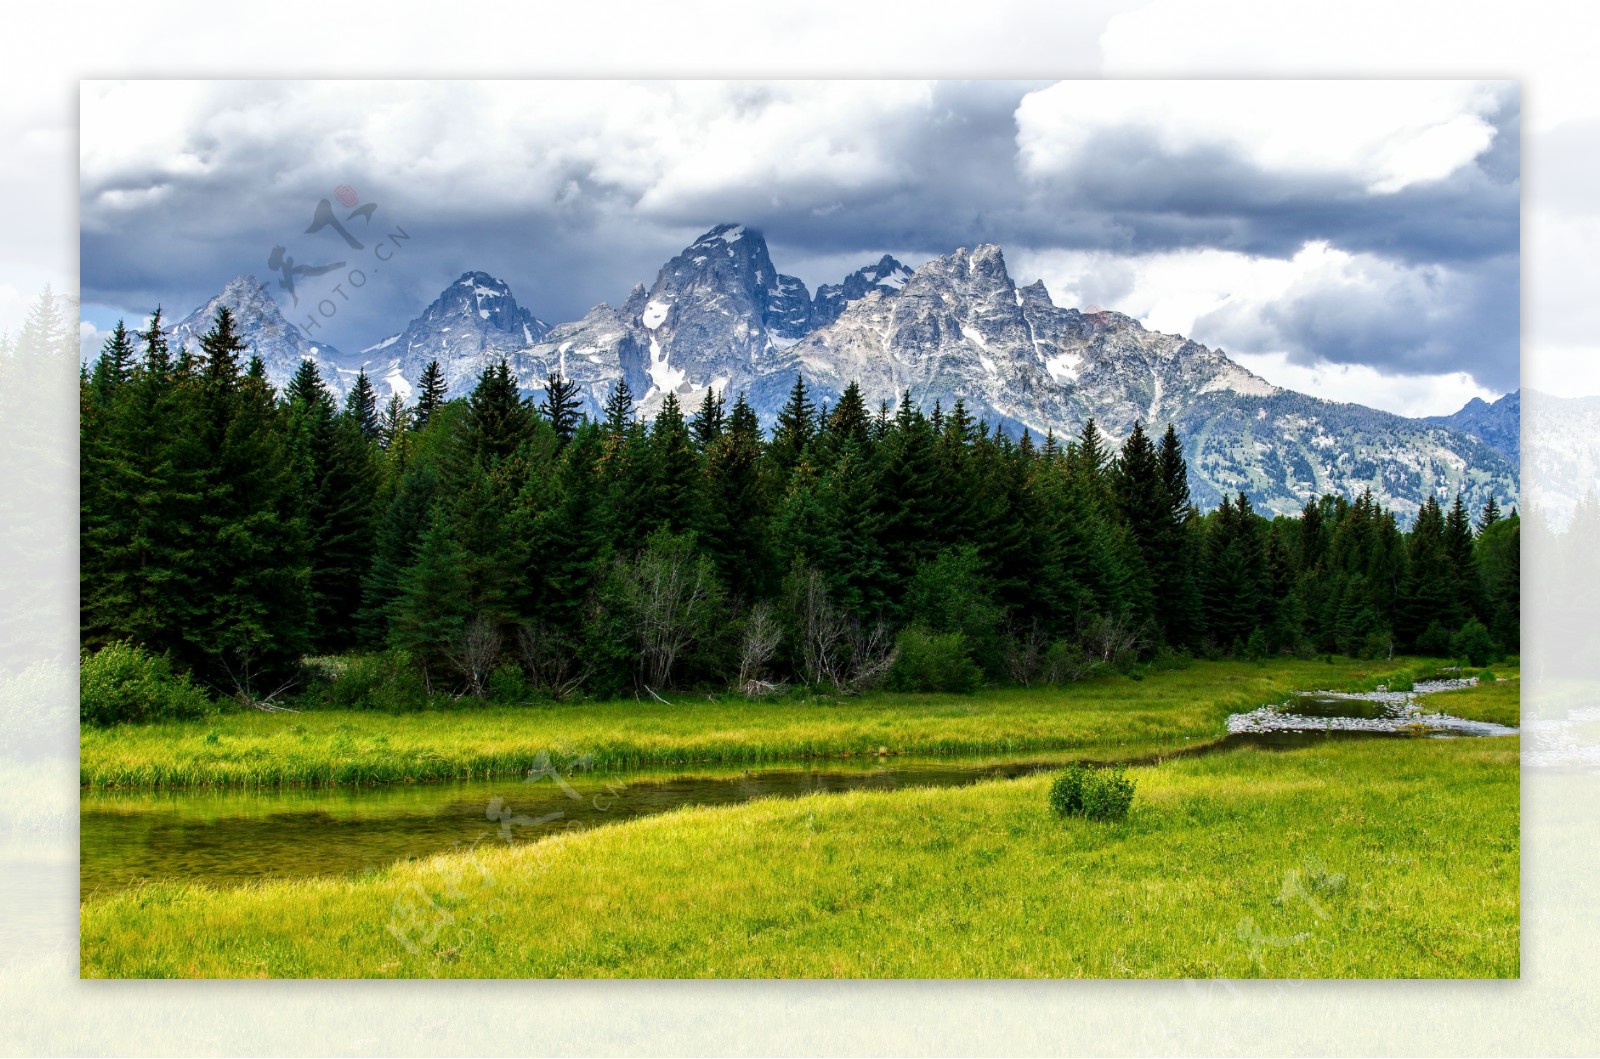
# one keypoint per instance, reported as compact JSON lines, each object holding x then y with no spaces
{"x":1375,"y":858}
{"x":1107,"y":718}
{"x":1347,"y":858}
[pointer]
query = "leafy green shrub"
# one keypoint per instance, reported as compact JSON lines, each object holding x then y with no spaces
{"x":1473,"y":643}
{"x":1167,"y":660}
{"x":1434,"y":641}
{"x":508,"y":684}
{"x":1107,"y":795}
{"x":383,"y":681}
{"x":1066,"y":791}
{"x":1095,"y":794}
{"x":1487,"y":677}
{"x":123,"y":682}
{"x":1375,"y":645}
{"x":929,"y":662}
{"x":1066,"y":662}
{"x":1255,"y":648}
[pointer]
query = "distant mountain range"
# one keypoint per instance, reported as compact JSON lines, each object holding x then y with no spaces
{"x":720,"y":315}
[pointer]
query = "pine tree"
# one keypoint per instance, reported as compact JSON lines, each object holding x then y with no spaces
{"x":1489,"y":516}
{"x":498,"y":420}
{"x":397,"y":534}
{"x":434,"y":605}
{"x":244,"y":619}
{"x":1458,"y":544}
{"x":1092,"y":458}
{"x":157,"y":357}
{"x":337,"y":491}
{"x":570,"y":535}
{"x":115,"y":364}
{"x":738,"y":509}
{"x":219,"y":353}
{"x":1428,"y":595}
{"x":849,"y":418}
{"x":561,"y":406}
{"x":431,"y":390}
{"x":794,"y":430}
{"x":393,"y":425}
{"x":674,"y":472}
{"x":708,"y":422}
{"x":619,"y":409}
{"x":907,"y":500}
{"x":1173,"y":560}
{"x":361,"y":406}
{"x":1235,"y":578}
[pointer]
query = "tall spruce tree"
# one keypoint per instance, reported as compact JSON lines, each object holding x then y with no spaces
{"x":431,"y":391}
{"x":561,"y":406}
{"x":361,"y":406}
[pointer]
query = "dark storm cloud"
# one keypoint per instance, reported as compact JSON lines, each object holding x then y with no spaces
{"x":596,"y":214}
{"x":1416,"y":322}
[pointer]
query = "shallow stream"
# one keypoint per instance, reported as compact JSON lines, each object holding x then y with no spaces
{"x":228,"y":837}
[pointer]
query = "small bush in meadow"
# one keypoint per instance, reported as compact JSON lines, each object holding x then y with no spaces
{"x":1167,"y":660}
{"x":383,"y":681}
{"x":1066,"y":792}
{"x":1487,"y":677}
{"x":508,"y":684}
{"x":1473,"y":643}
{"x":930,"y":662}
{"x":1107,"y":795}
{"x":1434,"y":641}
{"x":1095,"y":794}
{"x":1255,"y":648}
{"x":123,"y":682}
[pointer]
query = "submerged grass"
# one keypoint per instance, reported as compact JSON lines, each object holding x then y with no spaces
{"x":1380,"y":858}
{"x":1107,"y":718}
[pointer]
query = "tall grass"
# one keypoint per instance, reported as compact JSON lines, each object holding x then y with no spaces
{"x":1108,"y":717}
{"x":1351,"y":859}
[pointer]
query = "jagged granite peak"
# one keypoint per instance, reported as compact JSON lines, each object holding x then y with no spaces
{"x":959,"y":328}
{"x":886,"y":276}
{"x":473,"y":322}
{"x":720,"y":315}
{"x":715,"y":315}
{"x":260,"y":322}
{"x":727,"y":270}
{"x":1497,"y":424}
{"x":596,"y":352}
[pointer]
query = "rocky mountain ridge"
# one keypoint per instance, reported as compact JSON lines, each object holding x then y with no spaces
{"x":720,"y":315}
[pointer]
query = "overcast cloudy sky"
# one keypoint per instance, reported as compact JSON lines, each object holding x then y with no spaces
{"x":1354,"y":239}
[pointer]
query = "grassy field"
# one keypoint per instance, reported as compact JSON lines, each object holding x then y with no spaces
{"x":1105,"y":718}
{"x":1377,"y":858}
{"x":1498,"y":703}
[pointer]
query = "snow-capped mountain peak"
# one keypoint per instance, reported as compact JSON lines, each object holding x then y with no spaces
{"x":719,"y":315}
{"x":886,"y":276}
{"x":281,"y":345}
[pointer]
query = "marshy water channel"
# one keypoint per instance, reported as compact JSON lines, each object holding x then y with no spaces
{"x":1381,"y":712}
{"x":232,"y":837}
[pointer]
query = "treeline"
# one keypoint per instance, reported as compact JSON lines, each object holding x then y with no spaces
{"x":494,"y":539}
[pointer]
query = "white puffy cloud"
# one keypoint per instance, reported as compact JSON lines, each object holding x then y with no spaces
{"x":668,"y":148}
{"x":1384,"y":135}
{"x":1348,"y":327}
{"x":1326,"y":221}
